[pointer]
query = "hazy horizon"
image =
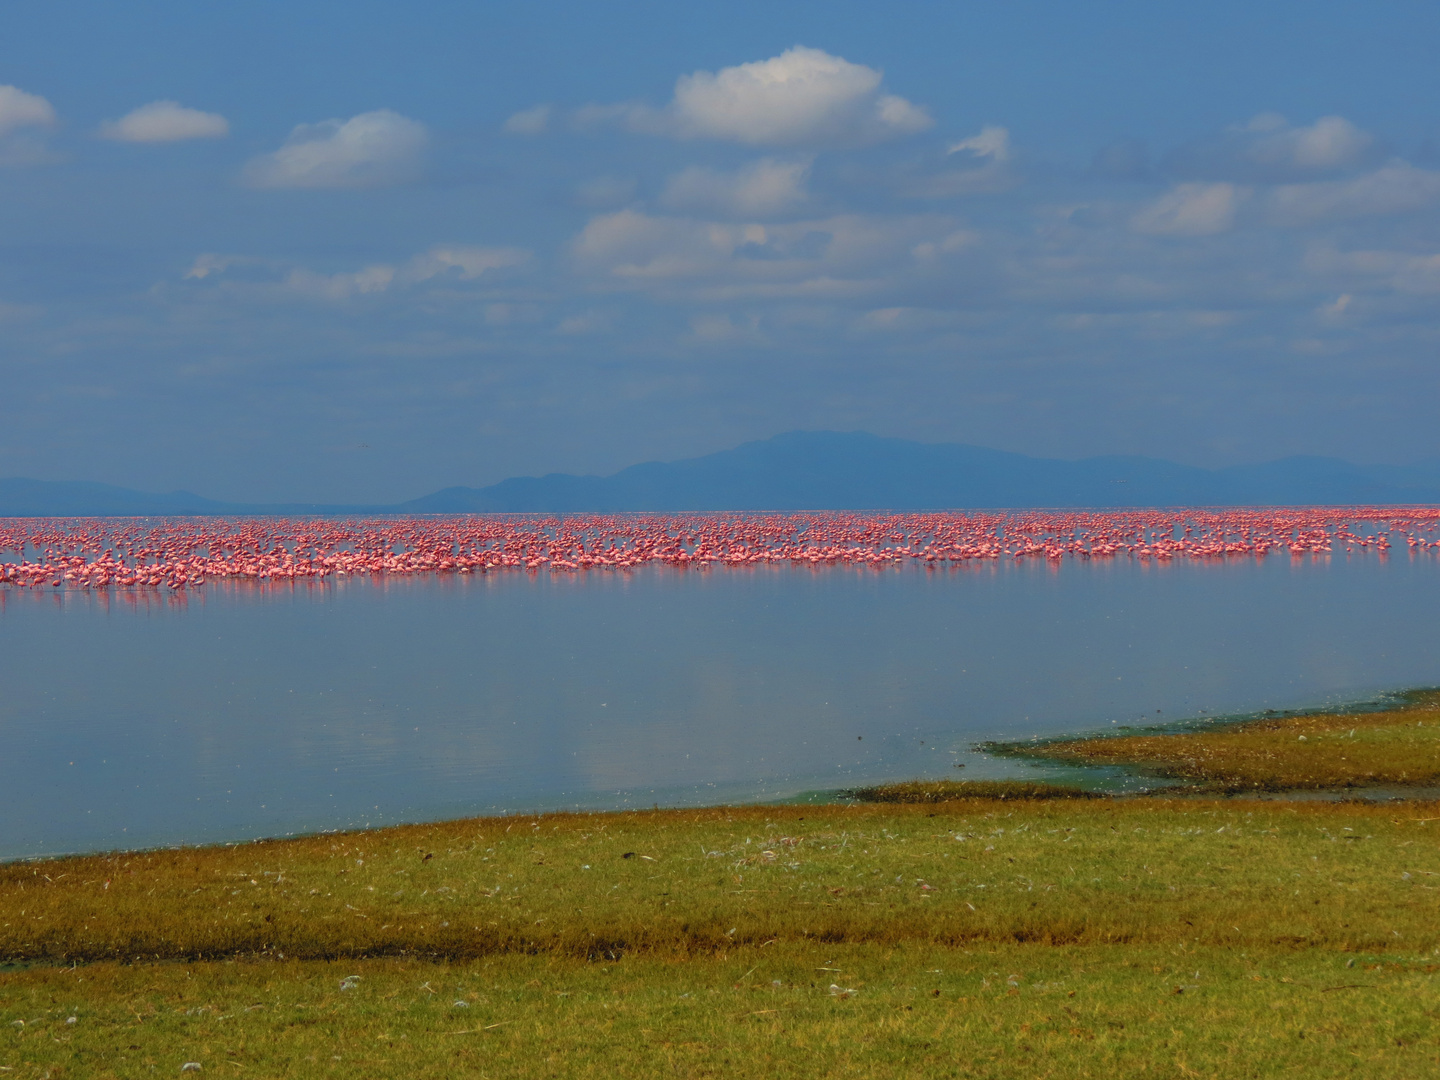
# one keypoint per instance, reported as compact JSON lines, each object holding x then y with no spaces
{"x":814,"y":471}
{"x":777,"y":435}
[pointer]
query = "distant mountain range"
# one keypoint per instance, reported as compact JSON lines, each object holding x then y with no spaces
{"x":78,"y":498}
{"x":823,"y":470}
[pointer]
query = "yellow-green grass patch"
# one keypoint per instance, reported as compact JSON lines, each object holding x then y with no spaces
{"x":1235,"y":873}
{"x":1398,"y":748}
{"x":786,"y":1010}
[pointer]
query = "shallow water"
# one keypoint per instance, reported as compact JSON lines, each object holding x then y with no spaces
{"x":140,"y":718}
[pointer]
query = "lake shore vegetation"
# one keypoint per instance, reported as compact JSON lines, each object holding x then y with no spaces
{"x":1314,"y":751}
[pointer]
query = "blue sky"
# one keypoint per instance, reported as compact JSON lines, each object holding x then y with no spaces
{"x":362,"y":251}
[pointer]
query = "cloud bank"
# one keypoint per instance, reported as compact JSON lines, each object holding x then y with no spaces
{"x":761,"y":189}
{"x":770,"y":241}
{"x":272,"y":279}
{"x":1396,"y":188}
{"x":1268,"y":149}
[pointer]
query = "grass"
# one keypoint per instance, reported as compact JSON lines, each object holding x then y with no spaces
{"x":690,"y":883}
{"x":935,"y":928}
{"x":1395,"y":748}
{"x":1301,"y":939}
{"x":988,"y":1011}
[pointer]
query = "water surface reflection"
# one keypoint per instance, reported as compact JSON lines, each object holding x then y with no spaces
{"x":140,"y":718}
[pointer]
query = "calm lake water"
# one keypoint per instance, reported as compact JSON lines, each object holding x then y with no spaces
{"x":132,"y":719}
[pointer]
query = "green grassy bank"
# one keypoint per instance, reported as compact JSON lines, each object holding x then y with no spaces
{"x":966,"y":938}
{"x":700,"y":882}
{"x":979,"y":1011}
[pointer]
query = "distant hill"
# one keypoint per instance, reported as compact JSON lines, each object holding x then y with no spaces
{"x":826,"y":470}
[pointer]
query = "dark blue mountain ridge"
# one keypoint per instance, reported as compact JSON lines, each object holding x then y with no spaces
{"x":857,"y":471}
{"x":827,"y":470}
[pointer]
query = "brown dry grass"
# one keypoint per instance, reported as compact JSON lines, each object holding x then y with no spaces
{"x":1400,"y":748}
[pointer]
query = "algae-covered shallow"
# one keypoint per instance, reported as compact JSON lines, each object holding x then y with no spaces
{"x":938,"y":791}
{"x":1390,"y":747}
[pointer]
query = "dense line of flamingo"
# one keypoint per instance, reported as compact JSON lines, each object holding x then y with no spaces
{"x":186,"y":552}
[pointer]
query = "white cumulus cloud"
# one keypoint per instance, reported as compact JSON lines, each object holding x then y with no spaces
{"x":803,"y":97}
{"x":1190,"y":210}
{"x":165,"y":121}
{"x":19,"y":109}
{"x":374,"y":149}
{"x":763,"y":188}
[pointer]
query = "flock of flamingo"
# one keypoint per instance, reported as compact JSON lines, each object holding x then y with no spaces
{"x":179,"y":553}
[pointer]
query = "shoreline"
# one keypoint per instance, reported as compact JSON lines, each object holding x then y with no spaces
{"x":1090,"y":778}
{"x":815,"y":940}
{"x":1304,"y":753}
